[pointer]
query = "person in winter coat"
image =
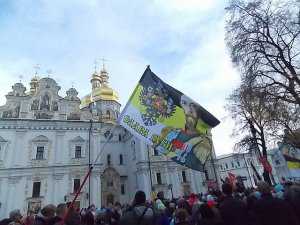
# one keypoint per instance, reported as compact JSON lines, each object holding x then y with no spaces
{"x":60,"y":212}
{"x":208,"y":215}
{"x":181,"y":217}
{"x":233,"y":211}
{"x":139,"y":214}
{"x":47,"y":214}
{"x":16,"y":217}
{"x":269,"y":210}
{"x":292,"y":195}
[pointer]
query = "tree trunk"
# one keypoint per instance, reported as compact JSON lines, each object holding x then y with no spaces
{"x":266,"y":174}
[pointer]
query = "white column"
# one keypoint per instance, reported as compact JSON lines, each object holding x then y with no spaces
{"x":60,"y":149}
{"x":177,"y":184}
{"x":12,"y":195}
{"x":4,"y":187}
{"x":62,"y":185}
{"x":19,"y":148}
{"x":59,"y":185}
{"x":144,"y":183}
{"x":96,"y":190}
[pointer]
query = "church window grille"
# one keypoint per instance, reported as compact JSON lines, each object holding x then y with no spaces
{"x":77,"y":151}
{"x":40,"y":153}
{"x":36,"y":189}
{"x":76,"y":185}
{"x":123,"y":189}
{"x":121,"y":159}
{"x":184,"y":180}
{"x":158,"y":178}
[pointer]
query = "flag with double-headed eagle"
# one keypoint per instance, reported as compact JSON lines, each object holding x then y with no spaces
{"x":169,"y":121}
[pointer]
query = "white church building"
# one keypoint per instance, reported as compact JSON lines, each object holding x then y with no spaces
{"x":47,"y":142}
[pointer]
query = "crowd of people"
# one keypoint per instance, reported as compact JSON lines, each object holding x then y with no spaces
{"x":264,"y":205}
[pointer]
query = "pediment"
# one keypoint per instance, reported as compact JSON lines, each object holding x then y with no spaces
{"x":78,"y":139}
{"x":40,"y":138}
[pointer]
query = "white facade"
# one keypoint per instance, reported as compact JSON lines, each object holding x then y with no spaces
{"x":46,"y":141}
{"x":240,"y":165}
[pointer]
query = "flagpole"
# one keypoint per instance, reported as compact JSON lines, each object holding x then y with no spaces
{"x":85,"y":179}
{"x":90,"y":133}
{"x":149,"y":166}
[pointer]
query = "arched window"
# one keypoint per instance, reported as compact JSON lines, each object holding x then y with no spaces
{"x":108,"y":159}
{"x":121,"y":159}
{"x":120,"y":137}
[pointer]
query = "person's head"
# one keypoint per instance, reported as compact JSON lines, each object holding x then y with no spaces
{"x":206,"y":212}
{"x":160,"y":195}
{"x":279,"y":188}
{"x":117,"y":205}
{"x":48,"y":211}
{"x":292,"y":194}
{"x":88,"y":219}
{"x":183,"y":204}
{"x":160,"y":205}
{"x":181,"y":216}
{"x":227,"y":189}
{"x":61,"y":210}
{"x":140,"y":198}
{"x":15,"y":215}
{"x":101,"y":218}
{"x":73,"y":218}
{"x":171,"y":207}
{"x":263,"y":187}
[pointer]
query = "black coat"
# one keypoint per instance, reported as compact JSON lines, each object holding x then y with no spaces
{"x":274,"y":211}
{"x":5,"y":221}
{"x":135,"y":216}
{"x":233,"y":211}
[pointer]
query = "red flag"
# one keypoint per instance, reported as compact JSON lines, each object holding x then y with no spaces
{"x":263,"y":160}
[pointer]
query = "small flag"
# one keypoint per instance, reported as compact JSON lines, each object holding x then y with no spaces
{"x":168,"y":120}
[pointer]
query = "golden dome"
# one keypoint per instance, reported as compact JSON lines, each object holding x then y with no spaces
{"x":100,"y":90}
{"x":104,"y":93}
{"x":85,"y":101}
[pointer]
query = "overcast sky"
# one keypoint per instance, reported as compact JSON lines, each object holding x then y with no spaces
{"x":182,"y":41}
